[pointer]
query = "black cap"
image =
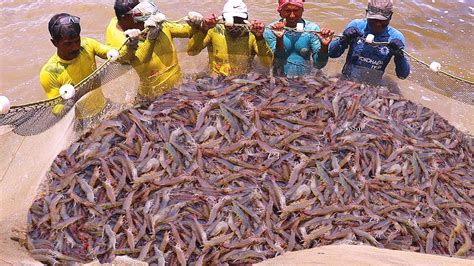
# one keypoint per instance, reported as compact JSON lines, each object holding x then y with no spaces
{"x":64,"y":25}
{"x":122,"y":7}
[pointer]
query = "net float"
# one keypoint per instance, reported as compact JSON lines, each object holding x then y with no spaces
{"x":67,"y":91}
{"x":370,"y":38}
{"x":435,"y":66}
{"x":4,"y":105}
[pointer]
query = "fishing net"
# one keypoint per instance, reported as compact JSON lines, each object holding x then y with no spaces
{"x":441,"y":82}
{"x":34,"y":118}
{"x":310,"y":161}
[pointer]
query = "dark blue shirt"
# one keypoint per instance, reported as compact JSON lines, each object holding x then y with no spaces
{"x":370,"y":61}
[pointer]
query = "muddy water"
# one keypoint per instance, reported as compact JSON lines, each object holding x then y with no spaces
{"x":435,"y":30}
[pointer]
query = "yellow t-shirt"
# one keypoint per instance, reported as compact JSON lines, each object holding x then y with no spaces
{"x":57,"y":72}
{"x":230,"y":56}
{"x":156,"y":62}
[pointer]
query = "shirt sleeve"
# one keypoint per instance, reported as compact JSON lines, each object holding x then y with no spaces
{"x":50,"y":84}
{"x":144,"y":53}
{"x":114,"y":39}
{"x":179,"y":30}
{"x":198,"y":42}
{"x":264,"y":53}
{"x":402,"y":67}
{"x":272,"y":42}
{"x":337,"y":47}
{"x":319,"y":61}
{"x":100,"y":49}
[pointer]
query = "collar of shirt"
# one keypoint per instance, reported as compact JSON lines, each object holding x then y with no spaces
{"x":67,"y":62}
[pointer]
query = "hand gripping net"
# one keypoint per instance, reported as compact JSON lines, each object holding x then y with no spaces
{"x":441,"y":82}
{"x":34,"y":118}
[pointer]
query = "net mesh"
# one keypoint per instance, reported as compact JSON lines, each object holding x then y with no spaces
{"x":442,"y":83}
{"x":32,"y":119}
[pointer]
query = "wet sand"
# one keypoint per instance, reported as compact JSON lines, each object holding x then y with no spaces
{"x":361,"y":255}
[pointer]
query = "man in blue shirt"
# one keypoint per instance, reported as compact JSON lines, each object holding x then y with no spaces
{"x":293,"y":51}
{"x":367,"y":62}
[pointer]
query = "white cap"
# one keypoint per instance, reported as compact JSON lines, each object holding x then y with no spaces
{"x":235,"y":8}
{"x":144,"y":10}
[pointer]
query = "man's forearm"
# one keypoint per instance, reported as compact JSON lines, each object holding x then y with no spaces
{"x":324,"y":50}
{"x":280,"y":45}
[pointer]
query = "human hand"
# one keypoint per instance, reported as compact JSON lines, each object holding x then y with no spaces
{"x":325,"y":36}
{"x":396,"y":45}
{"x":257,"y":28}
{"x":133,"y":36}
{"x":155,"y":20}
{"x":4,"y":105}
{"x":67,"y":91}
{"x":133,"y":33}
{"x":195,"y":18}
{"x":153,"y":23}
{"x":279,"y":29}
{"x":350,"y":34}
{"x":209,"y":22}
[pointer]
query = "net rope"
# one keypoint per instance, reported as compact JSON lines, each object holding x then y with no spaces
{"x":34,"y":118}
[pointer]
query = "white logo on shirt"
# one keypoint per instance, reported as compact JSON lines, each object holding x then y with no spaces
{"x":376,"y":64}
{"x":384,"y":50}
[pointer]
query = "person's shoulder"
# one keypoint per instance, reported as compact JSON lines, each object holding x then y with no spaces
{"x":113,"y":23}
{"x":309,"y":25}
{"x":91,"y":43}
{"x":87,"y":40}
{"x":219,"y":29}
{"x":112,"y":26}
{"x":53,"y":66}
{"x":171,"y":25}
{"x":395,"y":34}
{"x":358,"y":23}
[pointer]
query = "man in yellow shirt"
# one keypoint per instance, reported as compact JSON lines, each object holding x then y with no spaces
{"x":232,"y":49}
{"x":73,"y":61}
{"x":156,"y":59}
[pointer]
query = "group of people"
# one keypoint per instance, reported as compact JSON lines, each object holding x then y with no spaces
{"x":292,"y":46}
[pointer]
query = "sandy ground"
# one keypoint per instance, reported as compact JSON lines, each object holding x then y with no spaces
{"x":361,"y":255}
